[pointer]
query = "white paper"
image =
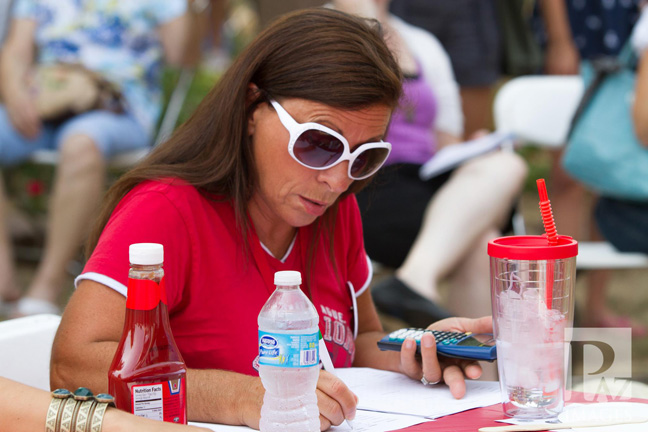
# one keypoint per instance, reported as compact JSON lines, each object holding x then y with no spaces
{"x":221,"y":428}
{"x":370,"y":421}
{"x":390,"y":401}
{"x":454,"y":155}
{"x":392,"y":392}
{"x":365,"y":421}
{"x":537,"y":422}
{"x":604,"y":411}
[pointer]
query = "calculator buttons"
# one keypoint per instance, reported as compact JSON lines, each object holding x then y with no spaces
{"x":448,"y":343}
{"x":444,"y":337}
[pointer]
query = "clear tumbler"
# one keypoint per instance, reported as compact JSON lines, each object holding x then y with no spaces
{"x":532,"y":293}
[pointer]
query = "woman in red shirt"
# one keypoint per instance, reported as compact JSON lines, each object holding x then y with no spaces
{"x":261,"y":178}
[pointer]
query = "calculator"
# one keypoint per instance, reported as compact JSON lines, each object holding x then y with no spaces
{"x":449,"y":344}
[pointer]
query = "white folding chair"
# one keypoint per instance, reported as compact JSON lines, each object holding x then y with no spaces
{"x":25,"y":349}
{"x":537,"y":110}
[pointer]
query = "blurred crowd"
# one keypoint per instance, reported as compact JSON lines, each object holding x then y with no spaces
{"x":423,"y":232}
{"x":308,"y":151}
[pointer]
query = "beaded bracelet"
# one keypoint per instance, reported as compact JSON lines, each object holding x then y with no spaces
{"x":80,"y":411}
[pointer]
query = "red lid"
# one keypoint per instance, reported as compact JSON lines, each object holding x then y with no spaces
{"x":532,"y":248}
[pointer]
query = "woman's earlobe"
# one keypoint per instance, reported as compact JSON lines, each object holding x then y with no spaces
{"x":251,"y":123}
{"x":252,"y":100}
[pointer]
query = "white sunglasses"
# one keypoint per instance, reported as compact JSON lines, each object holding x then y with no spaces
{"x":318,"y":147}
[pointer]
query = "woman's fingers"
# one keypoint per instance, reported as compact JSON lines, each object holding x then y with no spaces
{"x":409,"y":364}
{"x":24,"y":118}
{"x":334,"y":399}
{"x":472,"y":370}
{"x":432,"y":371}
{"x":424,"y":366}
{"x":454,"y":378}
{"x":476,"y":326}
{"x":32,"y":123}
{"x":325,"y":424}
{"x":329,"y":409}
{"x":452,"y":371}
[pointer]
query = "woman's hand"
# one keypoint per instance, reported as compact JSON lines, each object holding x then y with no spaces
{"x":451,"y":371}
{"x":22,"y":113}
{"x":562,"y":58}
{"x":334,"y":400}
{"x":363,"y":8}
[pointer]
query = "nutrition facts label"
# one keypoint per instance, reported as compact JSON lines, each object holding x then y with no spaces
{"x":148,"y":401}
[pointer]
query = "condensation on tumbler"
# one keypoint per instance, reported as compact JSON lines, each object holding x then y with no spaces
{"x":530,"y":333}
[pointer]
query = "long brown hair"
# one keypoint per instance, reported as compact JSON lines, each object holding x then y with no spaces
{"x":319,"y":54}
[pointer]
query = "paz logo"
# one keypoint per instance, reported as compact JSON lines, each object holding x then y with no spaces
{"x":602,"y":362}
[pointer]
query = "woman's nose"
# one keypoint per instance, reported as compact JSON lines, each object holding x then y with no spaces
{"x":337,"y":177}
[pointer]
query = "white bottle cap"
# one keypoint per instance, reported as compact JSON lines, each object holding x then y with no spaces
{"x":287,"y":278}
{"x":146,"y":253}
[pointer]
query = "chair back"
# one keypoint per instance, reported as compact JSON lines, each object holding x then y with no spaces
{"x":538,"y":109}
{"x":25,"y":349}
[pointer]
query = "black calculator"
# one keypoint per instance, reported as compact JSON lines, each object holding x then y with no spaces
{"x":449,"y":344}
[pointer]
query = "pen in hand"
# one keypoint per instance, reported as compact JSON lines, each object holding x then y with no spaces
{"x":327,"y":363}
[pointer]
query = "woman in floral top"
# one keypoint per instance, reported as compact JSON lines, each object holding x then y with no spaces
{"x":125,"y":43}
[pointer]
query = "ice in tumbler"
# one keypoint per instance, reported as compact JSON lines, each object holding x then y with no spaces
{"x":532,"y":297}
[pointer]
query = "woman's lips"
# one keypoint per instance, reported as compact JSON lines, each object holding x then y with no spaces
{"x":315,"y":208}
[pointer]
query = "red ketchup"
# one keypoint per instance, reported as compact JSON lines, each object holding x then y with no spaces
{"x":148,"y":376}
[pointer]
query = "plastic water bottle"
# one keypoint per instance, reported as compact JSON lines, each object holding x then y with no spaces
{"x":289,"y":358}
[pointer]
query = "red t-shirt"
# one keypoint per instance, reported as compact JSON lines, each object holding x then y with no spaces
{"x":215,"y":290}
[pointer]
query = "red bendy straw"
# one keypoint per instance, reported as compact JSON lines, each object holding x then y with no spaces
{"x":545,"y":211}
{"x":552,"y":236}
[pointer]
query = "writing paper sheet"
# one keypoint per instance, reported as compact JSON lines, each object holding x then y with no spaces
{"x":393,"y":392}
{"x":365,"y":421}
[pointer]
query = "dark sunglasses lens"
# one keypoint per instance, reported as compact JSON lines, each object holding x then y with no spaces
{"x":368,"y":161}
{"x":318,"y":149}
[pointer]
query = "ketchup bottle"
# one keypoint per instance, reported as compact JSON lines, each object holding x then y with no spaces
{"x":148,"y":376}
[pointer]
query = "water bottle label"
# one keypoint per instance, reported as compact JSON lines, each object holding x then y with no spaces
{"x":288,"y":350}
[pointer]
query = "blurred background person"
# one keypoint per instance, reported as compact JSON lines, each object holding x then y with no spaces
{"x":5,"y":7}
{"x":624,"y":223}
{"x":123,"y":43}
{"x":571,"y":31}
{"x":430,"y":230}
{"x":209,"y":48}
{"x":468,"y":31}
{"x":268,"y":10}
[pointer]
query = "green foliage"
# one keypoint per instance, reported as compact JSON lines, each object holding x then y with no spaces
{"x":539,"y":162}
{"x":29,"y":186}
{"x":203,"y":81}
